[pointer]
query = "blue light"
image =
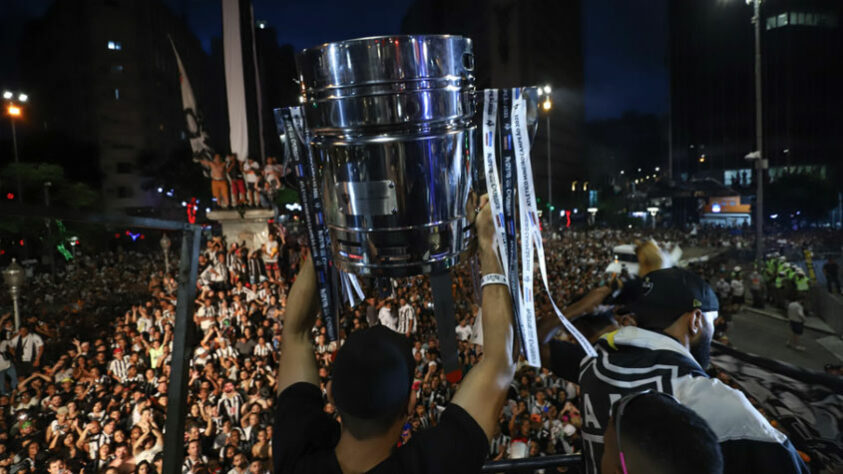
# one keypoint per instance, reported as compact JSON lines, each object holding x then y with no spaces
{"x":715,"y":208}
{"x":774,"y":216}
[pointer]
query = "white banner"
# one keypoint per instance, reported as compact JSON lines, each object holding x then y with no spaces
{"x":234,"y":81}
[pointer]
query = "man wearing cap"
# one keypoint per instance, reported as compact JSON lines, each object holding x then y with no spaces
{"x":664,"y":346}
{"x":372,"y":377}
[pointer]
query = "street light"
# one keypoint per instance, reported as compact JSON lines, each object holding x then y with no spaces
{"x":15,"y":111}
{"x":14,"y":277}
{"x":592,"y":211}
{"x":653,"y":211}
{"x":165,"y":246}
{"x":547,"y":105}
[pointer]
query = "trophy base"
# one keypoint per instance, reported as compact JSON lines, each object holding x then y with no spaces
{"x":251,"y":228}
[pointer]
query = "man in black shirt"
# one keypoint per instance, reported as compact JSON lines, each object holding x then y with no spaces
{"x":371,"y":390}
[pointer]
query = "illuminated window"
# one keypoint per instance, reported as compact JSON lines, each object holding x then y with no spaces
{"x":771,"y":22}
{"x":116,"y":94}
{"x":782,"y":20}
{"x":115,"y":45}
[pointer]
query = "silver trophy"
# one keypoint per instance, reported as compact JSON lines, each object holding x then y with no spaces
{"x":392,"y":129}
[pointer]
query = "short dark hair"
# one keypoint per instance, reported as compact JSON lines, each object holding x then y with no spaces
{"x":372,"y":378}
{"x":663,"y":436}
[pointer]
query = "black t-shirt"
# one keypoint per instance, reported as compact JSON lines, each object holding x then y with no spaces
{"x":305,"y":437}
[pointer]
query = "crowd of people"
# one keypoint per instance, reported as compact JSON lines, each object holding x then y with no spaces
{"x":243,"y":182}
{"x":83,"y":384}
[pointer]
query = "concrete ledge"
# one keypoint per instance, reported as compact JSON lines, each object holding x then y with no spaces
{"x":251,"y":227}
{"x":233,"y":214}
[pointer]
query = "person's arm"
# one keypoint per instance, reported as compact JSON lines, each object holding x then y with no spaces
{"x":483,"y":391}
{"x":137,"y":448}
{"x":297,"y":363}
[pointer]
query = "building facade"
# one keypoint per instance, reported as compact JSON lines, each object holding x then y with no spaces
{"x":519,"y":43}
{"x":104,"y":73}
{"x":712,"y":48}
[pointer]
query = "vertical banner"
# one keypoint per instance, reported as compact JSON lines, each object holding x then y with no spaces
{"x":289,"y":119}
{"x":235,"y":85}
{"x":528,"y":221}
{"x":509,"y":207}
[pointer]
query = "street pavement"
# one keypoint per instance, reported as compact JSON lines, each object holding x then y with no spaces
{"x":765,"y":334}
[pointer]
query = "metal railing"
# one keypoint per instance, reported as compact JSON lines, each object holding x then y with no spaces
{"x":531,"y":464}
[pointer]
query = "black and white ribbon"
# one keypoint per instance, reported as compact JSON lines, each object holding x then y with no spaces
{"x":517,"y":167}
{"x":298,"y":138}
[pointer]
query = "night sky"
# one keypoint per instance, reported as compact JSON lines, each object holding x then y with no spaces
{"x":624,"y":42}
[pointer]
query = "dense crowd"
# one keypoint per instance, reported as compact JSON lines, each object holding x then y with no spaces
{"x":91,"y":364}
{"x":243,"y":181}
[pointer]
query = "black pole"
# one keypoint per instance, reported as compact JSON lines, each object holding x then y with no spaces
{"x":531,"y":464}
{"x":443,"y":310}
{"x":177,"y":390}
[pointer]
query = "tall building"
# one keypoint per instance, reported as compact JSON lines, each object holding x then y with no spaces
{"x":104,"y":73}
{"x":518,"y":43}
{"x":713,"y":87}
{"x":277,"y":69}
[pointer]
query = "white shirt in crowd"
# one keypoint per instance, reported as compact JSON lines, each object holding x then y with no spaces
{"x":5,"y":361}
{"x":406,"y":319}
{"x":31,"y":343}
{"x":737,"y":287}
{"x":463,"y":332}
{"x":386,"y":318}
{"x":795,"y":312}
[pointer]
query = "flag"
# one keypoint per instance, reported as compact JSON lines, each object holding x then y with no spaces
{"x":242,"y":80}
{"x":196,"y":131}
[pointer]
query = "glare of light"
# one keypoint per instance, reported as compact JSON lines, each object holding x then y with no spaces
{"x":160,"y":190}
{"x":183,"y":204}
{"x":702,"y":158}
{"x":622,"y":171}
{"x":576,"y":210}
{"x":14,"y":110}
{"x":547,"y":89}
{"x":774,"y":216}
{"x":8,"y":94}
{"x":639,"y":170}
{"x":23,"y":97}
{"x":546,"y":105}
{"x":540,"y":91}
{"x":207,"y":210}
{"x":592,"y":210}
{"x":301,"y":99}
{"x":657,"y":168}
{"x":170,"y":193}
{"x":636,"y":181}
{"x":715,"y":208}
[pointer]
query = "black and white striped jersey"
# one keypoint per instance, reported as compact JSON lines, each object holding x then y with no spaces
{"x":632,"y":360}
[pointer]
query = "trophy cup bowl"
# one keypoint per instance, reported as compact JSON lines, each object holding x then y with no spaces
{"x":393,"y":142}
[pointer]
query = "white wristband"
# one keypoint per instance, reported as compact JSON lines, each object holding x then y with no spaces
{"x":493,"y":279}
